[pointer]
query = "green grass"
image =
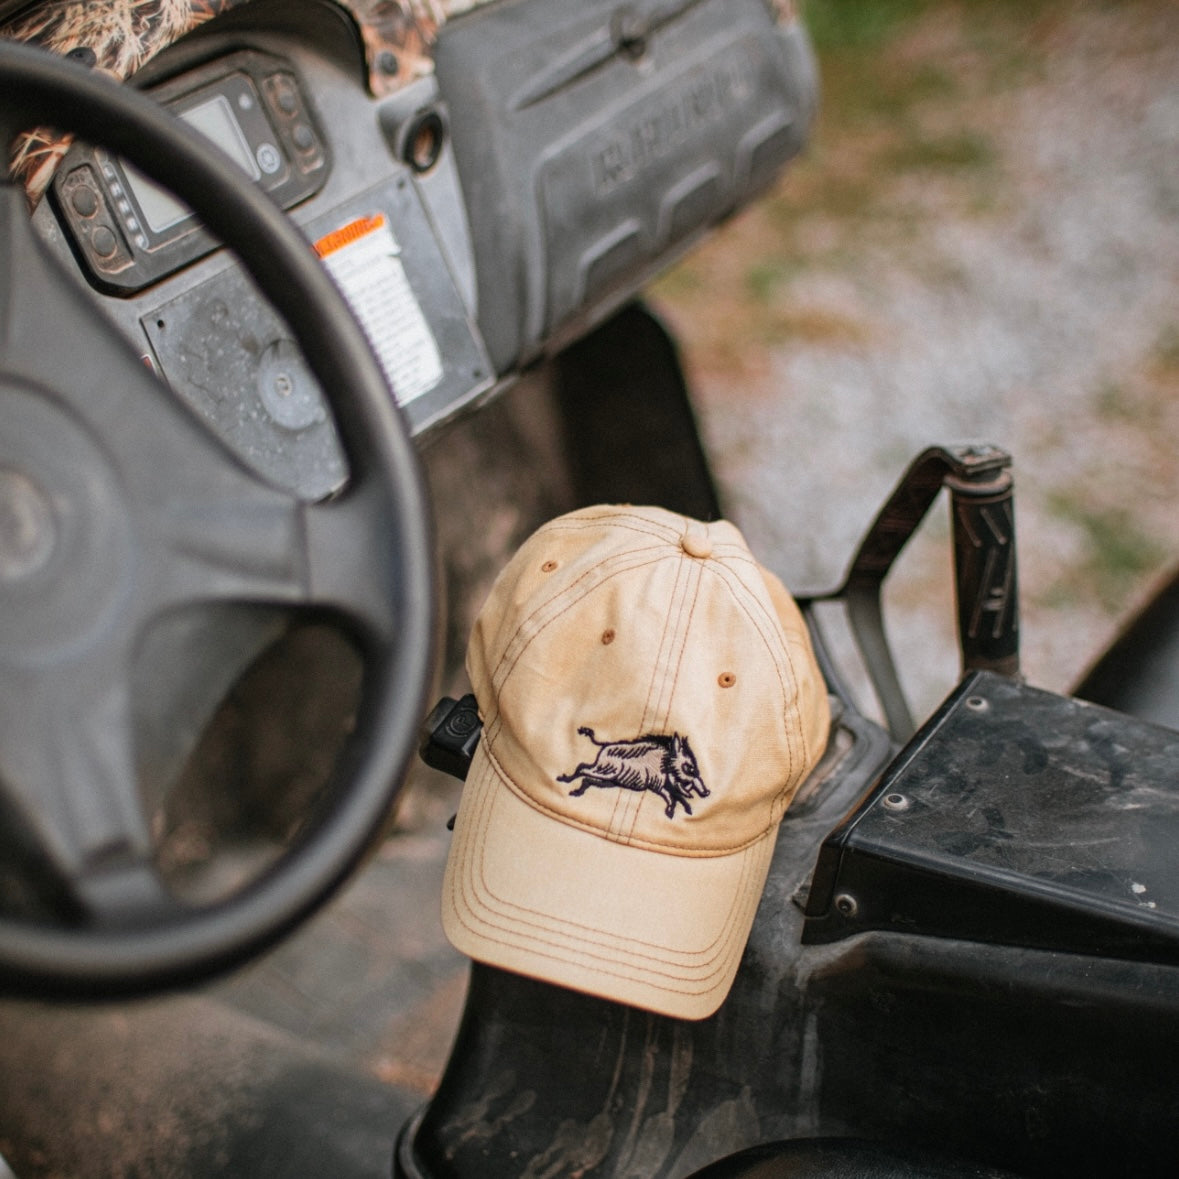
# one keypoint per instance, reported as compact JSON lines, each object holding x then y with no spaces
{"x":1114,"y":402}
{"x":960,"y":149}
{"x":766,"y":277}
{"x":883,"y":115}
{"x":1118,"y":552}
{"x":859,"y":24}
{"x":904,"y":98}
{"x":820,"y":188}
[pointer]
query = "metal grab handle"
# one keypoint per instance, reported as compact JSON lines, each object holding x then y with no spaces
{"x":985,"y":572}
{"x":986,"y":586}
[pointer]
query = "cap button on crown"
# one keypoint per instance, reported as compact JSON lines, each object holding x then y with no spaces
{"x":695,"y":541}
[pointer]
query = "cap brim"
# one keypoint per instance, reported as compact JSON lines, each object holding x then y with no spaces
{"x":529,"y":893}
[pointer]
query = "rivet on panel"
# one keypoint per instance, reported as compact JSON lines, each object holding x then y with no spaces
{"x":847,"y":905}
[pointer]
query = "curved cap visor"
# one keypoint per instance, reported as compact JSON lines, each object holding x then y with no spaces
{"x":650,"y":704}
{"x":514,"y":880}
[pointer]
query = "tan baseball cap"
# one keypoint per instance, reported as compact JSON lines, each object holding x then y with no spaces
{"x":650,"y":705}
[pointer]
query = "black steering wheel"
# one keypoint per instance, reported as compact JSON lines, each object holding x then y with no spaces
{"x":117,"y":507}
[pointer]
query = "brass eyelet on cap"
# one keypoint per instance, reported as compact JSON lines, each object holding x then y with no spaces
{"x":726,"y":679}
{"x":607,"y":636}
{"x":548,"y":567}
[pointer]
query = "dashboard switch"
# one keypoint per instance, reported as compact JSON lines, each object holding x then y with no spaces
{"x":85,"y":201}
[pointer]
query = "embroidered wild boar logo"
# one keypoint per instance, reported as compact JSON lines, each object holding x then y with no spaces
{"x":663,"y":765}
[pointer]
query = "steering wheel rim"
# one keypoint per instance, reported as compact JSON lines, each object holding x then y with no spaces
{"x":37,"y":89}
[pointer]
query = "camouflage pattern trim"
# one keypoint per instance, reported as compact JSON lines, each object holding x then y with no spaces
{"x":399,"y":36}
{"x":121,"y":36}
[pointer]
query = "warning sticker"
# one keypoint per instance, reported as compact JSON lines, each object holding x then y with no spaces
{"x":364,"y":259}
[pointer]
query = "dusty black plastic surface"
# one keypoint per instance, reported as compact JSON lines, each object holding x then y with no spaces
{"x":1001,"y":1058}
{"x":841,"y":1158}
{"x":630,"y":430}
{"x":565,"y":1083}
{"x":1016,"y":817}
{"x":1139,"y":674}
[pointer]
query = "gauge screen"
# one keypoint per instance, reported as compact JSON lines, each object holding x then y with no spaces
{"x":213,"y":118}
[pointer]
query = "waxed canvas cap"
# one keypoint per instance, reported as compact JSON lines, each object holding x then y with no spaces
{"x":651,"y":704}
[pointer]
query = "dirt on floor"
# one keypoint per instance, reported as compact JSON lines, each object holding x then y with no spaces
{"x":981,"y":244}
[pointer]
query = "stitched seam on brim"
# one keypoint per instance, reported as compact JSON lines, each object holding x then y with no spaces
{"x":470,"y":894}
{"x":544,"y":921}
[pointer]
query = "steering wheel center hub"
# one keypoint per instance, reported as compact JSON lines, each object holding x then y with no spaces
{"x":60,"y":509}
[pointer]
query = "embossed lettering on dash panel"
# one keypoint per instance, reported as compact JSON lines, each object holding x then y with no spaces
{"x":657,"y":128}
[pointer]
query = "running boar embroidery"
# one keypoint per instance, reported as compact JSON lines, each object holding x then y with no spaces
{"x":663,"y":765}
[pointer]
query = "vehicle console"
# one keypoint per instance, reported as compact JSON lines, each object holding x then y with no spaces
{"x":479,"y":217}
{"x":129,"y":232}
{"x":1016,"y":817}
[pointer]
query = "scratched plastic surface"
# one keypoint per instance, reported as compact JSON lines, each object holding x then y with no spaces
{"x":1044,"y":821}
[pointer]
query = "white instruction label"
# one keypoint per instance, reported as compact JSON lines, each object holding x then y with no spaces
{"x":364,"y":259}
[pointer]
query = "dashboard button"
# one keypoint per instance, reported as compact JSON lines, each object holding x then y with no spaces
{"x":304,"y":137}
{"x":84,"y":201}
{"x":104,"y":242}
{"x":287,"y":388}
{"x":283,"y":93}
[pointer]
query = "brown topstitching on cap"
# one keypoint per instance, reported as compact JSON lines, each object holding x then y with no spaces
{"x":592,"y":935}
{"x":597,"y":946}
{"x":520,"y":644}
{"x":618,"y":886}
{"x":707,"y":853}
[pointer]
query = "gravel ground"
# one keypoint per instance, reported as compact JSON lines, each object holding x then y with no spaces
{"x":985,"y":247}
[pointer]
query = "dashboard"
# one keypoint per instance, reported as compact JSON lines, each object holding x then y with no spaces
{"x":478,"y":216}
{"x":302,"y":126}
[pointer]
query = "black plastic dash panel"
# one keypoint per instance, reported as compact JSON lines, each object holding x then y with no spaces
{"x":1015,"y":817}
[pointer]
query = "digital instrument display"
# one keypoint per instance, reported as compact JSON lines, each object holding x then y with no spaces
{"x":214,"y":119}
{"x":129,"y":231}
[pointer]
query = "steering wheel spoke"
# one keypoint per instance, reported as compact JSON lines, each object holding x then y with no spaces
{"x":245,"y":546}
{"x":86,"y":364}
{"x":351,"y":571}
{"x":23,"y":274}
{"x":14,"y":234}
{"x":118,"y":506}
{"x":67,"y":767}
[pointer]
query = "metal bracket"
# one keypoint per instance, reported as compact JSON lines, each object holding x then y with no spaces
{"x":983,"y":518}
